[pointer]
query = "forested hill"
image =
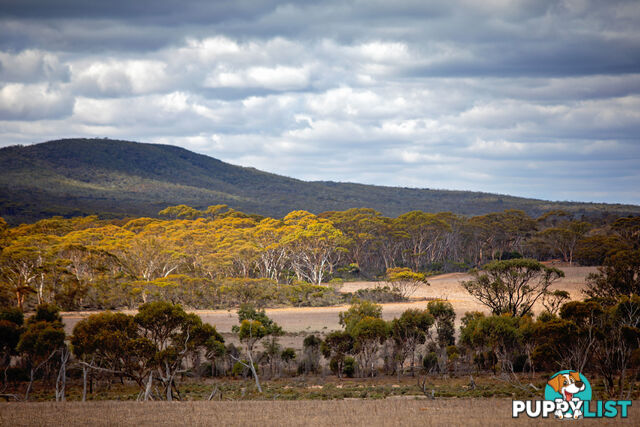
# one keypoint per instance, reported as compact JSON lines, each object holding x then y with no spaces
{"x":73,"y":177}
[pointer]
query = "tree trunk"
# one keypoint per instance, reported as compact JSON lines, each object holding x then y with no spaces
{"x":84,"y":383}
{"x":31,"y":376}
{"x":169,"y":380}
{"x":147,"y":392}
{"x":253,"y":371}
{"x":61,"y":381}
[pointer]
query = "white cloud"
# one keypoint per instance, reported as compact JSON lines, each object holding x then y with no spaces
{"x":275,"y":78}
{"x":116,"y":78}
{"x":33,"y":102}
{"x":32,"y":65}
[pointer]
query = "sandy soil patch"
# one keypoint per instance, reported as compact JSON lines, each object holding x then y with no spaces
{"x":324,"y":319}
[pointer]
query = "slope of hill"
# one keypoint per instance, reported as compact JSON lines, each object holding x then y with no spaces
{"x":119,"y":178}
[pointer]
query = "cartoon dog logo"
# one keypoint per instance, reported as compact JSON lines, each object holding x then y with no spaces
{"x":567,"y":384}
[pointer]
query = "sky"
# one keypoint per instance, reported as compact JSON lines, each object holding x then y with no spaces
{"x":534,"y":98}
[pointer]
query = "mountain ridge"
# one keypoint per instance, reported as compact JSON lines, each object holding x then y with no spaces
{"x":116,"y":178}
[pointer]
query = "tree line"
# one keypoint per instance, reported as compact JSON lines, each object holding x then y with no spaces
{"x":157,"y":348}
{"x":220,"y":257}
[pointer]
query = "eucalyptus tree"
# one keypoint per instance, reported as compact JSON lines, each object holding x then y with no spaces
{"x":511,"y":286}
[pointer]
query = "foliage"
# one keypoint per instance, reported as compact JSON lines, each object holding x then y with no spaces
{"x":368,"y":333}
{"x":358,"y":311}
{"x":350,"y":366}
{"x":552,"y":300}
{"x":336,"y":346}
{"x":43,"y":335}
{"x":217,"y":257}
{"x":444,"y":316}
{"x":379,"y":294}
{"x":409,"y":331}
{"x":114,"y":342}
{"x":511,"y":286}
{"x":404,"y":281}
{"x":620,"y":275}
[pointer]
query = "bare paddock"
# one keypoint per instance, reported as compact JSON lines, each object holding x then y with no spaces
{"x":325,"y":319}
{"x":388,"y":412}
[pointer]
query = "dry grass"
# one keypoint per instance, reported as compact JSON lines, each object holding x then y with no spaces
{"x":468,"y":412}
{"x":325,"y":319}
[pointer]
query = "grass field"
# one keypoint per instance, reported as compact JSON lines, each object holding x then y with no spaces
{"x":389,"y":412}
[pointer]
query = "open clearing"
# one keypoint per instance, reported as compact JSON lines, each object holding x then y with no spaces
{"x":406,"y":412}
{"x":298,"y":321}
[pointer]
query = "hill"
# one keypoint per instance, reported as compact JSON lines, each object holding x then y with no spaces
{"x":112,"y":178}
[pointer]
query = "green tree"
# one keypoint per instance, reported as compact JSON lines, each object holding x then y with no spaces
{"x":552,"y":300}
{"x":113,"y":343}
{"x":11,"y":321}
{"x":564,"y":239}
{"x":254,"y":326}
{"x":368,"y":334}
{"x":629,"y":230}
{"x":335,"y":347}
{"x":500,"y":335}
{"x":594,"y":250}
{"x":409,"y":331}
{"x":359,"y":310}
{"x":315,"y":245}
{"x":42,"y":339}
{"x":311,"y":353}
{"x":422,"y":234}
{"x":620,"y":275}
{"x":176,"y":336}
{"x":511,"y":286}
{"x":444,"y":316}
{"x":365,"y":229}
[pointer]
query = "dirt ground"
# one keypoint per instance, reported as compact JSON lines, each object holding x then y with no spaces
{"x":298,"y":322}
{"x":352,"y":412}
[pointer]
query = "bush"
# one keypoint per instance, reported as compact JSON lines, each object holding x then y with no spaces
{"x":12,"y":314}
{"x":430,"y":361}
{"x":545,"y":316}
{"x":302,"y":294}
{"x":506,"y":255}
{"x":241,"y":370}
{"x":47,"y":313}
{"x":350,"y":366}
{"x":333,"y":365}
{"x":378,"y":294}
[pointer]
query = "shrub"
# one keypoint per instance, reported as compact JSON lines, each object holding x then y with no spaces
{"x":379,"y":294}
{"x":350,"y":366}
{"x":430,"y":361}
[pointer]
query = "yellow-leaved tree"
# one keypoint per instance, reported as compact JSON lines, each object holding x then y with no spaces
{"x":314,"y":245}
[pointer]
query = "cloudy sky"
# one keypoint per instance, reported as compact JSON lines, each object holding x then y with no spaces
{"x":534,"y":98}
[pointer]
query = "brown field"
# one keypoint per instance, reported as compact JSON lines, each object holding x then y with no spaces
{"x":386,"y":402}
{"x":300,"y":321}
{"x":389,"y":412}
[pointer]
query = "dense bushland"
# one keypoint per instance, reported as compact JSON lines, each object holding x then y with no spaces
{"x":223,"y":258}
{"x":155,"y":350}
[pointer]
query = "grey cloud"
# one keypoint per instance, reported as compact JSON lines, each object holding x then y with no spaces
{"x":508,"y":97}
